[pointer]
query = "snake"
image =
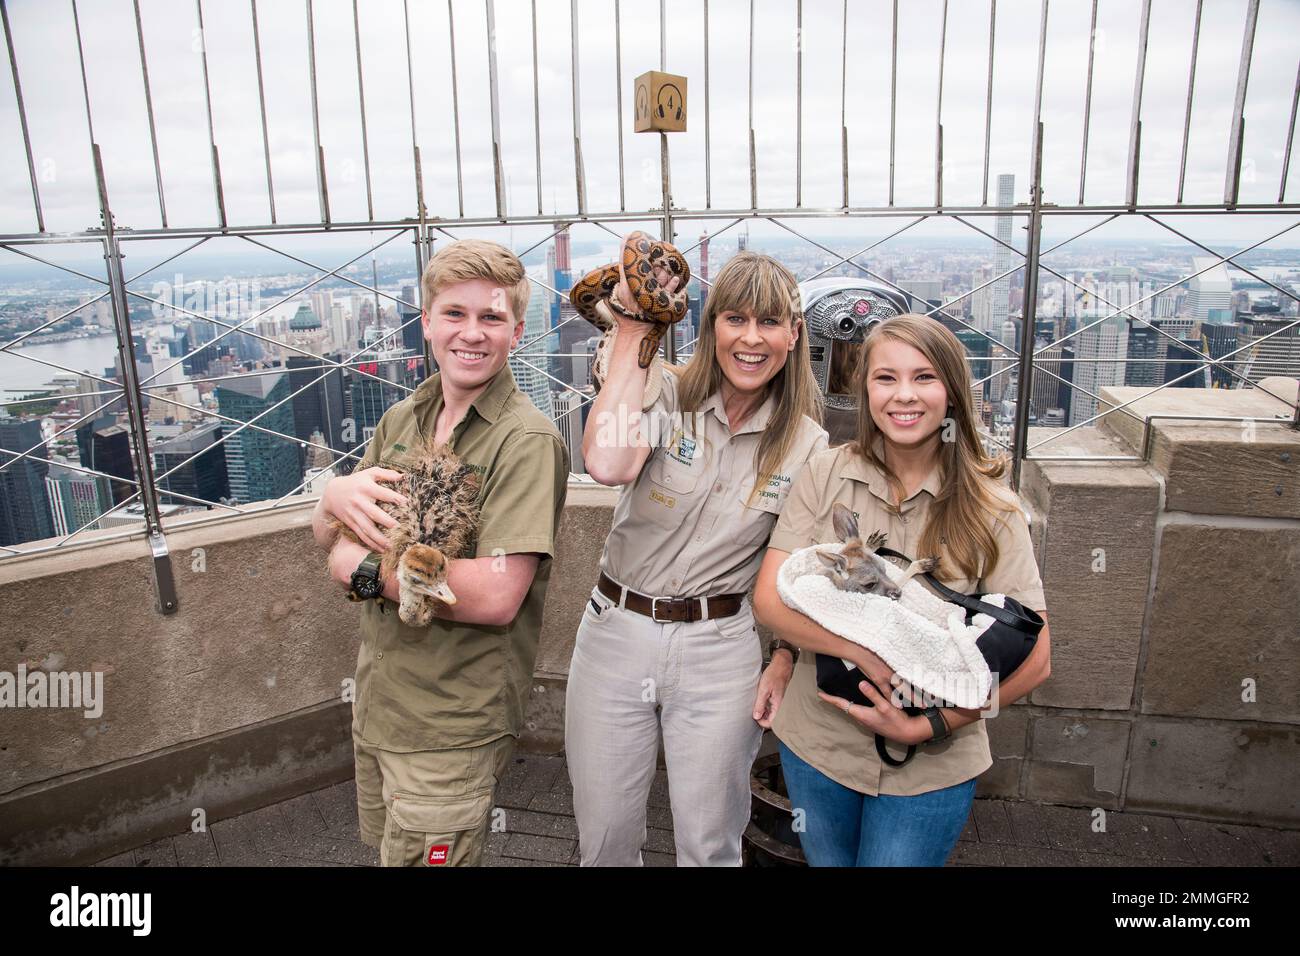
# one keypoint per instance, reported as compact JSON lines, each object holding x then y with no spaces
{"x":593,"y":297}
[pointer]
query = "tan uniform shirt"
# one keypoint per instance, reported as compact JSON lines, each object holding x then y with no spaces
{"x":833,"y":742}
{"x":450,"y":684}
{"x":687,"y":526}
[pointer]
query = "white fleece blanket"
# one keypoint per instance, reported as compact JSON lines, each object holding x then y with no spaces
{"x":924,"y":639}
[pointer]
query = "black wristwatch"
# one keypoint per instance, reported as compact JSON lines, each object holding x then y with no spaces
{"x":366,"y":583}
{"x":937,"y":724}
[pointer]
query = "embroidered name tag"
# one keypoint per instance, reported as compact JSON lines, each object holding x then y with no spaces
{"x":666,"y":500}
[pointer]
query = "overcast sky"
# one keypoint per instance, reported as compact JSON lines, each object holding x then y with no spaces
{"x":46,"y":52}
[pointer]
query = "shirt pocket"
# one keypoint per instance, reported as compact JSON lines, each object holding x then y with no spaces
{"x":668,"y":489}
{"x":759,"y":511}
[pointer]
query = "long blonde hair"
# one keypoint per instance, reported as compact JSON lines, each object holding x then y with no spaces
{"x":958,"y":530}
{"x":755,"y":283}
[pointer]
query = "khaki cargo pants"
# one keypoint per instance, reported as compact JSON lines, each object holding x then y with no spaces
{"x":428,"y":808}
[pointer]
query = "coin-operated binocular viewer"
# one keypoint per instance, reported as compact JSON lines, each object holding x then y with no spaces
{"x":838,"y":313}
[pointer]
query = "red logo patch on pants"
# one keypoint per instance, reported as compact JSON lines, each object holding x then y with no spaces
{"x":438,"y":855}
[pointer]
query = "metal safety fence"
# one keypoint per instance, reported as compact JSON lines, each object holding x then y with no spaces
{"x":440,"y":214}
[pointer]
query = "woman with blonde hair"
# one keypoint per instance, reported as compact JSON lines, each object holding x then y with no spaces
{"x":667,"y":643}
{"x":919,"y":473}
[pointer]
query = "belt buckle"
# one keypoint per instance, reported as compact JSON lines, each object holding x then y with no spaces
{"x":654,"y":611}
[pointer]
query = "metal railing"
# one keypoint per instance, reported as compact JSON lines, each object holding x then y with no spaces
{"x":423,"y":227}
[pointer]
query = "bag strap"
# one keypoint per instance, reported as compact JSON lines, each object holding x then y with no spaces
{"x":969,"y":602}
{"x":889,"y":758}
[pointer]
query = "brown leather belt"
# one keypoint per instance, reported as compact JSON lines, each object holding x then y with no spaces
{"x":672,"y":610}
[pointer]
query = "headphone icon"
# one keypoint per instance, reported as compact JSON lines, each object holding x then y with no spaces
{"x":642,"y":101}
{"x":674,"y":102}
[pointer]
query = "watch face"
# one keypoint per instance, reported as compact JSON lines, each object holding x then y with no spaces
{"x":366,"y":586}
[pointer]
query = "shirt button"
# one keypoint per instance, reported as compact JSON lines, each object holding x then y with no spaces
{"x":717,"y":489}
{"x":379,"y":656}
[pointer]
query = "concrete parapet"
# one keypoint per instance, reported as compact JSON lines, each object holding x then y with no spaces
{"x":1095,"y":546}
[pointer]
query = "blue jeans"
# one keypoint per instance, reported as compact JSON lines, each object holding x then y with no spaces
{"x":845,"y":828}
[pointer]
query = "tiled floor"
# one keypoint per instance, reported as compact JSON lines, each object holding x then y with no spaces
{"x":320,"y":829}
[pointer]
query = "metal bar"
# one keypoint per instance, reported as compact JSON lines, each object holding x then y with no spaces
{"x":618,"y":98}
{"x":844,"y":80}
{"x":494,"y":104}
{"x":1237,"y":130}
{"x":988,"y":102}
{"x":798,"y":105}
{"x":663,"y":38}
{"x":212,"y":135}
{"x":148,"y":106}
{"x":753,"y":159}
{"x":537,"y":121}
{"x":1290,"y":135}
{"x":1087,"y":103}
{"x":1036,"y":144}
{"x":53,"y":265}
{"x":22,"y":118}
{"x":81,"y":58}
{"x":421,"y":212}
{"x":1187,"y":116}
{"x":261,"y":102}
{"x":315,"y":117}
{"x":361,"y":99}
{"x":708,"y":169}
{"x":577,"y":126}
{"x":455,"y":108}
{"x":1020,"y":434}
{"x":665,"y":168}
{"x":893,"y":98}
{"x":130,"y":375}
{"x":938,"y":112}
{"x":1135,"y":122}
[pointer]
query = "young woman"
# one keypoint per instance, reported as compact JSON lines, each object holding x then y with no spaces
{"x":918,"y":472}
{"x":667,"y":641}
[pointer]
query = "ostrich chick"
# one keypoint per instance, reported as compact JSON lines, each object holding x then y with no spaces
{"x":439,"y":522}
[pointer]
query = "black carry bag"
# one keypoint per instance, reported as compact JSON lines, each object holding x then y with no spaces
{"x":1005,"y":645}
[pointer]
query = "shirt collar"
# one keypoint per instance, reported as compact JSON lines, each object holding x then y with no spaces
{"x":756,"y":422}
{"x":427,"y":400}
{"x":858,"y":468}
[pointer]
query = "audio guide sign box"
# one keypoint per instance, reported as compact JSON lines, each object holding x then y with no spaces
{"x":659,"y":103}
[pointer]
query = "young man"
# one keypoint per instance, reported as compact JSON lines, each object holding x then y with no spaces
{"x":438,"y":709}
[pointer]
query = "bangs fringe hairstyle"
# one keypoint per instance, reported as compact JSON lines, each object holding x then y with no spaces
{"x":751,"y":282}
{"x":468,"y":259}
{"x":958,"y":531}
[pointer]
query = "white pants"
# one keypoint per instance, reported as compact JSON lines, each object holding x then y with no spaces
{"x":630,"y":677}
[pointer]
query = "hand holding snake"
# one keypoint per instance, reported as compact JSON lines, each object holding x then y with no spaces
{"x":647,"y":285}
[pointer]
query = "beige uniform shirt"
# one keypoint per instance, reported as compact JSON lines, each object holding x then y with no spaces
{"x":450,"y":684}
{"x":688,"y":525}
{"x":832,"y":741}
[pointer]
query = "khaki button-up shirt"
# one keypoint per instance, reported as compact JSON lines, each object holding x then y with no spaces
{"x":451,"y":684}
{"x":688,"y":525}
{"x":832,"y":741}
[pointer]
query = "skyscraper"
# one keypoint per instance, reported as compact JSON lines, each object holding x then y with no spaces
{"x":529,"y":377}
{"x":24,"y":500}
{"x":1209,"y":295}
{"x":76,"y":499}
{"x":200,"y":467}
{"x":999,"y":305}
{"x":260,"y":466}
{"x":1103,"y":351}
